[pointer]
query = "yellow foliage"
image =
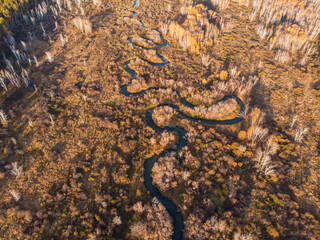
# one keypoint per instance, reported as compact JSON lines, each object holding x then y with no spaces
{"x":272,"y":231}
{"x":249,"y":132}
{"x":234,"y":145}
{"x":274,"y":179}
{"x":190,"y":34}
{"x":7,"y":7}
{"x":242,"y":135}
{"x":138,"y":193}
{"x":223,"y":75}
{"x":217,"y":143}
{"x":248,"y":154}
{"x":207,"y":182}
{"x":255,"y":114}
{"x":3,"y":123}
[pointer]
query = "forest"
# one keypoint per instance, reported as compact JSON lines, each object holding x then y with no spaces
{"x":10,"y":8}
{"x":149,"y":119}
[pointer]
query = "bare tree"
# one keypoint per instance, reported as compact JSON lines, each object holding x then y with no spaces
{"x":3,"y":116}
{"x":16,"y":170}
{"x":50,"y":57}
{"x":294,"y":120}
{"x":298,"y":137}
{"x":15,"y":195}
{"x":206,"y":59}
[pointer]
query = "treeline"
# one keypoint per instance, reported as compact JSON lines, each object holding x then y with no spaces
{"x":10,"y":7}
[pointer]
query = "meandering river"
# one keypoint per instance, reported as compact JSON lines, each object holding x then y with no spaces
{"x":149,"y":163}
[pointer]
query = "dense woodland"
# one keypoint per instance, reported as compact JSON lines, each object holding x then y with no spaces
{"x":12,"y":8}
{"x":73,"y":147}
